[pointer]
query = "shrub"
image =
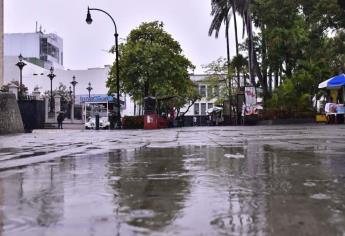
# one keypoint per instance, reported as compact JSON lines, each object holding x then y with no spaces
{"x":291,"y":100}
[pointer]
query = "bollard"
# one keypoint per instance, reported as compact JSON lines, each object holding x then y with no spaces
{"x":97,"y":121}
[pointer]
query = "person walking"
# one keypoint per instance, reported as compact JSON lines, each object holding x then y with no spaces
{"x":60,"y":119}
{"x":195,"y":121}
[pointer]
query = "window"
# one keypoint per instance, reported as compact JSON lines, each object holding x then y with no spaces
{"x":203,"y":108}
{"x":209,"y":105}
{"x":216,"y":91}
{"x":209,"y":91}
{"x":202,"y":90}
{"x":196,"y":109}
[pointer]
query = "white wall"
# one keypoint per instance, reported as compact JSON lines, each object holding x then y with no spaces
{"x":35,"y":76}
{"x":11,"y":73}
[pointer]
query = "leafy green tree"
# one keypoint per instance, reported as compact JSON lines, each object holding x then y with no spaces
{"x":151,"y":64}
{"x":296,"y":45}
{"x":218,"y":80}
{"x":62,"y":91}
{"x":22,"y":90}
{"x":190,"y":96}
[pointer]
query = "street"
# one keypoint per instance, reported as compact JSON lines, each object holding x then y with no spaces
{"x":254,"y":180}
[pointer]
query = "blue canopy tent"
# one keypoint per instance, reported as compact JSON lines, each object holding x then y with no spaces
{"x":334,"y":82}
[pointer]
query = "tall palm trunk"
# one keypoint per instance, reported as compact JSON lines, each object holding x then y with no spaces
{"x":250,"y":47}
{"x":228,"y":66}
{"x":236,"y":40}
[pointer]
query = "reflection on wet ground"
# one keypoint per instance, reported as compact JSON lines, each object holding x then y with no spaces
{"x":193,"y":181}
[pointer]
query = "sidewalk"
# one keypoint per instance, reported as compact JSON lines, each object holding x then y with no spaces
{"x":75,"y":126}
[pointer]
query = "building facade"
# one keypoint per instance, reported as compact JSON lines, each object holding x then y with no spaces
{"x":35,"y":78}
{"x":1,"y":42}
{"x":210,"y":93}
{"x":44,"y":50}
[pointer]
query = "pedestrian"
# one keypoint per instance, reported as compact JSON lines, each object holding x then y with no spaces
{"x":60,"y":119}
{"x":194,"y":121}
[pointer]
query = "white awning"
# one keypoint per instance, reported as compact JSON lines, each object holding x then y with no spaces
{"x":324,"y":83}
{"x":214,"y":109}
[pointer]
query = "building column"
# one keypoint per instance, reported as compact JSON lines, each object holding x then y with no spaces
{"x":57,"y":99}
{"x":36,"y":93}
{"x":12,"y":88}
{"x":46,"y":107}
{"x":72,"y":112}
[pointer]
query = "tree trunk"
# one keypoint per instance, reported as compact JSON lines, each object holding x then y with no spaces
{"x":262,"y":79}
{"x":270,"y":81}
{"x":264,"y":62}
{"x":250,"y":47}
{"x":146,"y":88}
{"x":236,"y":40}
{"x":276,"y":79}
{"x":228,"y":66}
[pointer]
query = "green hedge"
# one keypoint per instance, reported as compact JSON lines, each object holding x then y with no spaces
{"x":273,"y":114}
{"x":133,"y":122}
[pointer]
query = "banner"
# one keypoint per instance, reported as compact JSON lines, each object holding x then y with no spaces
{"x":96,"y":99}
{"x":250,"y":95}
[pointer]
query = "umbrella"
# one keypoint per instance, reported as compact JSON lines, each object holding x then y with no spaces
{"x":214,"y":109}
{"x":334,"y":82}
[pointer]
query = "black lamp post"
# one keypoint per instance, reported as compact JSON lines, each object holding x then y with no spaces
{"x":74,"y":83}
{"x":89,"y":88}
{"x":20,"y":65}
{"x":70,"y":92}
{"x":51,"y":76}
{"x":70,"y":103}
{"x":89,"y":21}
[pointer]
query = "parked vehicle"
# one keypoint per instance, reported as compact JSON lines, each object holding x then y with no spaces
{"x":103,"y":123}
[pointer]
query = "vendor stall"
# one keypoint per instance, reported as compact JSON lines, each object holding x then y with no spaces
{"x":334,"y":108}
{"x":215,"y":116}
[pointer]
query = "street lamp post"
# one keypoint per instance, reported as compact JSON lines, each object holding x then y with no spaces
{"x":51,"y":76}
{"x":70,"y":92}
{"x":74,"y":83}
{"x":89,"y":21}
{"x":71,"y":106}
{"x":89,"y":88}
{"x":20,"y":65}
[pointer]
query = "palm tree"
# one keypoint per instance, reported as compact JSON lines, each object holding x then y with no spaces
{"x":221,"y":14}
{"x":244,"y":10}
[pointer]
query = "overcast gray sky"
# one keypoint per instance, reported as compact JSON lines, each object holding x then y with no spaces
{"x":85,"y":45}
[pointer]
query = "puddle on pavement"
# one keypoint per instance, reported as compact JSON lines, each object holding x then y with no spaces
{"x":195,"y":190}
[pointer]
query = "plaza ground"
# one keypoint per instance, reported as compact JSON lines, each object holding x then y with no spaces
{"x":257,"y":180}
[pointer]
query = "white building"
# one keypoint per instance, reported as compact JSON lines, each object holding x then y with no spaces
{"x":35,"y":76}
{"x":44,"y":50}
{"x":209,"y":95}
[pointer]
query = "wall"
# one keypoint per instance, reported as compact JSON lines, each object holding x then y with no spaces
{"x":33,"y":114}
{"x":10,"y":118}
{"x":31,"y":73}
{"x":1,"y":42}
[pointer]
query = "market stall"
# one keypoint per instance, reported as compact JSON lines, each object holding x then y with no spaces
{"x":334,"y":107}
{"x":215,"y":116}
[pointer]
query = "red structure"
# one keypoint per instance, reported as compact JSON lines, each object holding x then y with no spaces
{"x":153,"y":121}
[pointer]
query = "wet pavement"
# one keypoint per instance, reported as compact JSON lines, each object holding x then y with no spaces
{"x":259,"y":180}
